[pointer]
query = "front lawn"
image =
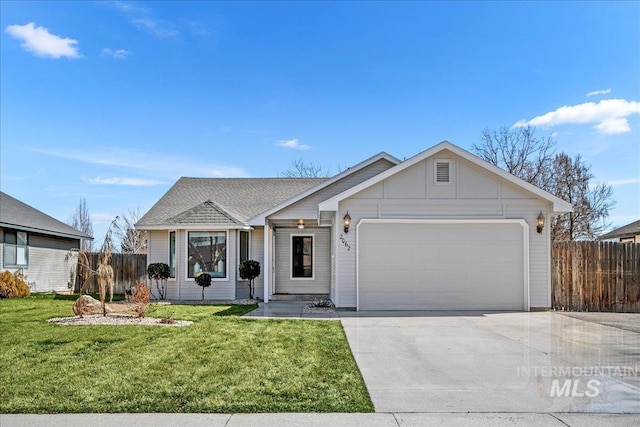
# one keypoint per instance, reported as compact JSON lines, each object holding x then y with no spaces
{"x":222,"y":363}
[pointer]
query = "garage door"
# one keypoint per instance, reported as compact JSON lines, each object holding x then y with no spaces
{"x":433,"y":265}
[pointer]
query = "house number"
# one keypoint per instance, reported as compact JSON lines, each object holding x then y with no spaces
{"x":345,"y":243}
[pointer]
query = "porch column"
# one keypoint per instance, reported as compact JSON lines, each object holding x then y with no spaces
{"x":267,"y":261}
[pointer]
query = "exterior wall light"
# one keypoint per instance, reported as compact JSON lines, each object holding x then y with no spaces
{"x":301,"y":223}
{"x":540,"y":222}
{"x":347,"y":222}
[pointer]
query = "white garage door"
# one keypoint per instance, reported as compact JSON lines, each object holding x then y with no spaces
{"x":429,"y":265}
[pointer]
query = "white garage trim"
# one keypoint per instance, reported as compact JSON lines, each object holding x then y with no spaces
{"x":521,"y":222}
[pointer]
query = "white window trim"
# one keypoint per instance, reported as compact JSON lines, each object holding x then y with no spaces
{"x":226,"y":256}
{"x":313,"y":256}
{"x":16,"y":246}
{"x":175,"y":266}
{"x":239,"y":232}
{"x":435,"y":172}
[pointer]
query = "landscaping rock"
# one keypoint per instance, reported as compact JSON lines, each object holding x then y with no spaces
{"x":88,"y":305}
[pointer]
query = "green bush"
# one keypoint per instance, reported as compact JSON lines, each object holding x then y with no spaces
{"x":203,"y":280}
{"x":159,"y":272}
{"x":12,"y":286}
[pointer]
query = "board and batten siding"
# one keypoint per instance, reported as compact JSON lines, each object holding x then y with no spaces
{"x":472,"y":194}
{"x":321,"y":282}
{"x":308,"y":207}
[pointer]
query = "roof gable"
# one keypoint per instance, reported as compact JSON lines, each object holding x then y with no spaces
{"x":559,"y":205}
{"x":236,"y":199}
{"x":205,"y":213}
{"x":259,"y":219}
{"x":19,"y":215}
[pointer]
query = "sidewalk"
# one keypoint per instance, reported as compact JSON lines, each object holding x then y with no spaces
{"x":346,"y":420}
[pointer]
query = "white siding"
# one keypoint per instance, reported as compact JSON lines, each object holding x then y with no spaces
{"x":48,"y":271}
{"x":473,"y":193}
{"x":321,"y":282}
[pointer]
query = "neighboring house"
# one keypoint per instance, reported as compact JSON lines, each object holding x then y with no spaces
{"x":441,"y":230}
{"x":630,"y":233}
{"x":37,"y":244}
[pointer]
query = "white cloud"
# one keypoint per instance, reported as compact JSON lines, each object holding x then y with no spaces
{"x":610,"y":116}
{"x":599,"y":92}
{"x":118,"y":180}
{"x":621,"y":182}
{"x":161,"y":166}
{"x":102,"y":217}
{"x":292,"y":143}
{"x":41,"y":42}
{"x":142,"y":18}
{"x":116,"y":53}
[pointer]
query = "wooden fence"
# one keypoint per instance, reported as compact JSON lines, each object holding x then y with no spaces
{"x":127,"y":268}
{"x":596,"y":276}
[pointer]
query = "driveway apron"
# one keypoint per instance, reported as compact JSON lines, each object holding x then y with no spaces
{"x":494,"y":362}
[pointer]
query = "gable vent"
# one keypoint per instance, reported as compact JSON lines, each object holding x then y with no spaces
{"x":442,"y":171}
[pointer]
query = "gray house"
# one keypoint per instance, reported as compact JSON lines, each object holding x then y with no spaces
{"x":629,"y":233}
{"x":441,"y":230}
{"x":37,"y":244}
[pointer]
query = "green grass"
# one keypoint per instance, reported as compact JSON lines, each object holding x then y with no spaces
{"x":222,"y":363}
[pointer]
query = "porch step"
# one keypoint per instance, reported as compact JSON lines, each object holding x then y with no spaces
{"x":299,"y":297}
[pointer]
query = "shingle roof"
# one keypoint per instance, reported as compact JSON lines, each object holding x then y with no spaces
{"x":18,"y":215}
{"x":234,"y":199}
{"x":628,"y":230}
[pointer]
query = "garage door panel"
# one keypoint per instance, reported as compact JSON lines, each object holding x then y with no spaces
{"x":441,"y":266}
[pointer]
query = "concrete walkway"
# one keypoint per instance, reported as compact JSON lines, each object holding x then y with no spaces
{"x":346,"y":420}
{"x":290,"y":310}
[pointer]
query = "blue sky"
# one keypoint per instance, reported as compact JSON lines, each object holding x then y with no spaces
{"x":114,"y":101}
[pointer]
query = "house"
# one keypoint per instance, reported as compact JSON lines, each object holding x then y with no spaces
{"x":38,"y":245}
{"x":442,"y":230}
{"x":630,"y":233}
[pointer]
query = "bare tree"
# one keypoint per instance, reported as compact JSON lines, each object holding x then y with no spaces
{"x":131,"y":240}
{"x":591,"y":204}
{"x":531,"y":158}
{"x":518,"y":151}
{"x":81,"y":220}
{"x":300,"y":169}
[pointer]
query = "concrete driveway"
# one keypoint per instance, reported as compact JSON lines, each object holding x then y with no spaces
{"x":494,"y":362}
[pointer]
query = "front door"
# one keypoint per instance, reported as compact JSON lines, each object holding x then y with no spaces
{"x":303,"y":261}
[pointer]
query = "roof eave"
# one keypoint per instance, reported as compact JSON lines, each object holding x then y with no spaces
{"x":208,"y":226}
{"x":79,"y":236}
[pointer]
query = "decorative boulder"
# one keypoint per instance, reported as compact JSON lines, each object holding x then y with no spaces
{"x":88,"y":305}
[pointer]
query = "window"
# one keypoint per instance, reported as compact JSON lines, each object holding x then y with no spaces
{"x":443,"y":171}
{"x":243,"y":246}
{"x":172,"y":254}
{"x":207,"y":252}
{"x":301,"y":256}
{"x":16,"y":253}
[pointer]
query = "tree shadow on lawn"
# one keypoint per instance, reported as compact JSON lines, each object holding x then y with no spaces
{"x":236,"y":310}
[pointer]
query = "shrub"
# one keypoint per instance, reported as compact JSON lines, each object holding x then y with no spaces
{"x":203,"y":280}
{"x":159,"y":272}
{"x":141,"y":295}
{"x":249,"y":270}
{"x":12,"y":286}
